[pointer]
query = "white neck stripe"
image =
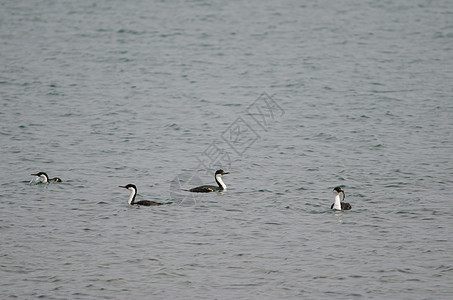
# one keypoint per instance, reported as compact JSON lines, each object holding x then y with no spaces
{"x":44,"y":178}
{"x":218,"y":177}
{"x":132,"y":195}
{"x":337,"y":204}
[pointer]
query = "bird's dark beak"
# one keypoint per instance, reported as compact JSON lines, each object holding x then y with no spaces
{"x":34,"y":174}
{"x":122,"y":186}
{"x":225,"y":173}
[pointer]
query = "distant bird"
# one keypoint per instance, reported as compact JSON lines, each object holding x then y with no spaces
{"x":131,"y":201}
{"x":338,"y":205}
{"x":212,"y":188}
{"x":45,"y":178}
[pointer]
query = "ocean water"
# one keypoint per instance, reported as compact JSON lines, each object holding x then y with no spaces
{"x":292,"y":98}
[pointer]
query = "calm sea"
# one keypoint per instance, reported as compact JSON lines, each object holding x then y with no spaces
{"x":292,"y":98}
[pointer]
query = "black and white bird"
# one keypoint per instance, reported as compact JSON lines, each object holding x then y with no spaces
{"x":131,"y":201}
{"x":338,"y":204}
{"x":45,"y":178}
{"x":211,"y":188}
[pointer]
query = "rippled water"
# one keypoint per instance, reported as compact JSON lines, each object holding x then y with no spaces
{"x":291,"y":98}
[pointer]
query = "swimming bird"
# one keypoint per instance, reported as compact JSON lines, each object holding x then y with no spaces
{"x":212,"y":188}
{"x":338,"y":205}
{"x":133,"y":189}
{"x":45,"y":178}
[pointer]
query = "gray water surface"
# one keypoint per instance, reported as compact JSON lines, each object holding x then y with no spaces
{"x":292,"y":98}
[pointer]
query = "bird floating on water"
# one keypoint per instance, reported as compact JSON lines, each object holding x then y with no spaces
{"x":45,"y":178}
{"x":211,"y":188}
{"x":338,"y":204}
{"x":131,"y":201}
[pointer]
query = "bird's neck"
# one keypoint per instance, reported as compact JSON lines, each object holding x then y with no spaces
{"x":218,"y":179}
{"x":337,"y":203}
{"x":132,"y":197}
{"x":44,"y":179}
